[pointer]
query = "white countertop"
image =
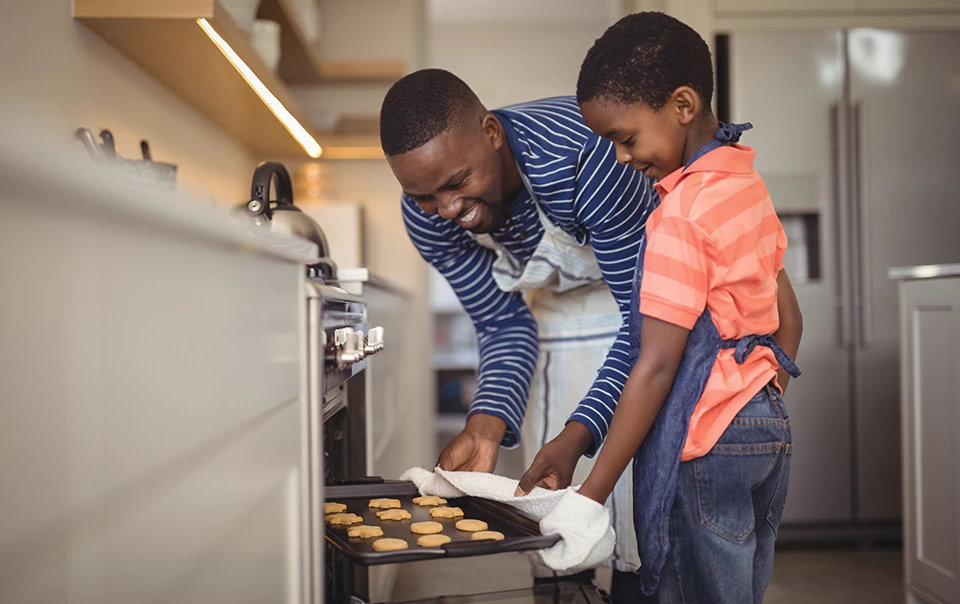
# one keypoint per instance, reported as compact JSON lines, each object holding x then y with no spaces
{"x":38,"y":164}
{"x":348,"y":276}
{"x":927,"y":271}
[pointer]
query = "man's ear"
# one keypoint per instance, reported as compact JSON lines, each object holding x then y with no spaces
{"x":493,"y":131}
{"x":687,"y":103}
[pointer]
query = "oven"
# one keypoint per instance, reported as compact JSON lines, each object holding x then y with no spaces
{"x":339,"y":342}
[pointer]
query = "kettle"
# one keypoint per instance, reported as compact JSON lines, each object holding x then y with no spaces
{"x":284,"y":218}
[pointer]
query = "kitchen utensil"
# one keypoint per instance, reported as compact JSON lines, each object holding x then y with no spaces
{"x":143,"y":175}
{"x":89,"y":143}
{"x":109,"y":146}
{"x":284,"y":217}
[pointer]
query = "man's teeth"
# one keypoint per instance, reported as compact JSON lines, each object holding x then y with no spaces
{"x":470,"y":215}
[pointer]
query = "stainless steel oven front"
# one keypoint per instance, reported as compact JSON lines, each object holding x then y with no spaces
{"x":338,"y":343}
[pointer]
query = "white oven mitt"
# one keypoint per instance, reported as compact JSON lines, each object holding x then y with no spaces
{"x":587,"y":535}
{"x":441,"y":483}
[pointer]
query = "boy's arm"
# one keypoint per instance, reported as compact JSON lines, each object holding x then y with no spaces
{"x":791,"y":323}
{"x":650,"y":381}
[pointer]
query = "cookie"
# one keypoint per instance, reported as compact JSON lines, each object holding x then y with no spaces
{"x":334,"y":508}
{"x":426,"y":528}
{"x":389,"y":545}
{"x":433,"y":540}
{"x":346,"y":519}
{"x":429,"y":500}
{"x":384,"y":504}
{"x":446,"y":512}
{"x":393,"y":515}
{"x":471,"y":526}
{"x":486,"y":536}
{"x":364,"y":531}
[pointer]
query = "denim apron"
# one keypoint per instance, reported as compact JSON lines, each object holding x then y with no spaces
{"x":657,"y":463}
{"x":578,"y":321}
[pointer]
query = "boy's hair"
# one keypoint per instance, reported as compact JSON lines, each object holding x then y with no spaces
{"x":644,"y":57}
{"x":421,"y":106}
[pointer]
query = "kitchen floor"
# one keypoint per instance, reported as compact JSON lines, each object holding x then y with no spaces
{"x":800,"y":576}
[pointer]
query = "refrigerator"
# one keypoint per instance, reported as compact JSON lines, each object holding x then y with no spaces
{"x":857,"y":134}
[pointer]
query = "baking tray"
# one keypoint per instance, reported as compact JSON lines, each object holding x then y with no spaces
{"x":520,"y":533}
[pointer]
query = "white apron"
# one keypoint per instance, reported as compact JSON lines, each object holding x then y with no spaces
{"x":578,"y":322}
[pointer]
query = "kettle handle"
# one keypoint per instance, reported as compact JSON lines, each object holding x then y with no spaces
{"x":260,"y":189}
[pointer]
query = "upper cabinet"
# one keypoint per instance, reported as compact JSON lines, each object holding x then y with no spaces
{"x":827,"y":7}
{"x":774,"y":7}
{"x":196,"y":49}
{"x":913,"y":5}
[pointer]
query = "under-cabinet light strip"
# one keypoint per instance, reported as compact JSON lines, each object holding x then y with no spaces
{"x":309,"y":144}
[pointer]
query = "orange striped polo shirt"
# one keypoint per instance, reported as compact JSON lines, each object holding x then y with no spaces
{"x":716,"y":242}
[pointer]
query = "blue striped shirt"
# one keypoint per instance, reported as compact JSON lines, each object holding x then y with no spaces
{"x":584,"y":191}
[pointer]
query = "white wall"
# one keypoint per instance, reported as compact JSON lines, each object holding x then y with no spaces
{"x":512,"y":63}
{"x":514,"y":56}
{"x":63,"y":73}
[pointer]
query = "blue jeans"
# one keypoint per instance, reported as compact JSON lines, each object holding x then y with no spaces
{"x":724,"y":521}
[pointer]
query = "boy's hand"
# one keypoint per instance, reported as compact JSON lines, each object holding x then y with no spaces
{"x":587,"y":536}
{"x":553,"y":466}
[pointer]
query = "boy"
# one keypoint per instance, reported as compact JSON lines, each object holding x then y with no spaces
{"x":702,"y":407}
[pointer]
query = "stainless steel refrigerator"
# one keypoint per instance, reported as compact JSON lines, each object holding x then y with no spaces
{"x":857,"y":134}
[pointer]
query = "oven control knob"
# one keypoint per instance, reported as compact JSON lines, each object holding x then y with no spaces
{"x":356,"y":344}
{"x":340,"y":337}
{"x":374,"y":340}
{"x":348,"y":345}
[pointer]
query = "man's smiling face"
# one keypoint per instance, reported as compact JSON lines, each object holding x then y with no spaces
{"x":458,"y":174}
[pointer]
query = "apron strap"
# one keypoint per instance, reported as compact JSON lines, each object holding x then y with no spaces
{"x":726,"y":133}
{"x":745,"y":345}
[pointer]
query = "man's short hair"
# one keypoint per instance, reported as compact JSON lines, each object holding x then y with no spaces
{"x":422,"y":105}
{"x":644,"y":57}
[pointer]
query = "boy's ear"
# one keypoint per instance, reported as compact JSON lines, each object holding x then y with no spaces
{"x":687,"y":103}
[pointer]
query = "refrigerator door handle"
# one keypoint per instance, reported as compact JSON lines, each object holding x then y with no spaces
{"x":839,"y":117}
{"x":861,"y":241}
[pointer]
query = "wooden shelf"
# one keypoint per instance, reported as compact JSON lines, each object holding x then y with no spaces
{"x":165,"y":39}
{"x":301,"y":64}
{"x":346,"y":146}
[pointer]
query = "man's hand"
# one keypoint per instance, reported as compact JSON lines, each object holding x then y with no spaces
{"x":553,"y":466}
{"x":476,"y":448}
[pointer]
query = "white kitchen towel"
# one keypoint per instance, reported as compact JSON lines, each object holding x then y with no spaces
{"x":441,"y":483}
{"x":588,"y":537}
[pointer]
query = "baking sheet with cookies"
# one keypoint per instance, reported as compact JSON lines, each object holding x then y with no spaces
{"x":519,"y":532}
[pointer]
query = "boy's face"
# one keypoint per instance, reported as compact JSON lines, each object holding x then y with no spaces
{"x":651,"y":141}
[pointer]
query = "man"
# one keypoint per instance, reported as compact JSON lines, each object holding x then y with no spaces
{"x":526,"y":200}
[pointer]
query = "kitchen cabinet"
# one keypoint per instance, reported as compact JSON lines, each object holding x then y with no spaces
{"x":774,"y":7}
{"x":827,"y":7}
{"x":877,"y":6}
{"x":150,"y":444}
{"x":194,"y":48}
{"x":930,"y":411}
